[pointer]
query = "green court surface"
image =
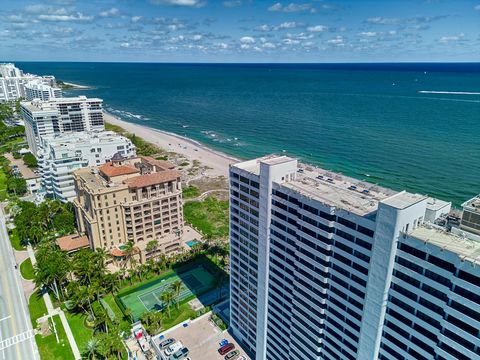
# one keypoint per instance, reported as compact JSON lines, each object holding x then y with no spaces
{"x":147,"y":297}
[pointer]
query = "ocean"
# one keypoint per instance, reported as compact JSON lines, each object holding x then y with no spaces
{"x":404,"y":126}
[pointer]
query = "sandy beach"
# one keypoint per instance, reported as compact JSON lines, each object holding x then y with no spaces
{"x":216,"y":162}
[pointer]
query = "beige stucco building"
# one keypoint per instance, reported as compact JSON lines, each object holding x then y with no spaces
{"x":137,"y":199}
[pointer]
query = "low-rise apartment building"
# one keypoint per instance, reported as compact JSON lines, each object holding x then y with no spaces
{"x":135,"y":200}
{"x":61,"y":155}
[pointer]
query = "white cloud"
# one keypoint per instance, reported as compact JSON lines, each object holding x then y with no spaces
{"x":379,"y":20}
{"x":269,"y":45}
{"x":317,"y":28}
{"x":453,"y":38}
{"x":368,"y":33}
{"x":77,"y":17}
{"x":289,"y":41}
{"x":197,"y":37}
{"x":288,"y":25}
{"x":113,"y":12}
{"x":338,"y":41}
{"x":247,"y":40}
{"x":264,"y":27}
{"x":125,"y":45}
{"x":292,"y":7}
{"x":232,"y":3}
{"x":477,"y":7}
{"x":187,"y":3}
{"x":136,"y":18}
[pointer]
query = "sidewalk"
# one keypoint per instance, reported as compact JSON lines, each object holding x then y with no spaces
{"x":57,"y":311}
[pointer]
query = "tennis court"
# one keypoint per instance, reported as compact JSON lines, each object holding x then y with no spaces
{"x":148,"y":297}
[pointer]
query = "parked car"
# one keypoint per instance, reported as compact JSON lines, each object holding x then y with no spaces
{"x":166,"y":342}
{"x":232,"y":355}
{"x":171,"y":349}
{"x":223,"y":342}
{"x":242,"y":358}
{"x":180,"y":354}
{"x":226,"y":348}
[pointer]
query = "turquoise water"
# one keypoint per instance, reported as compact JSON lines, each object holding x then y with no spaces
{"x":192,"y":243}
{"x":367,"y":121}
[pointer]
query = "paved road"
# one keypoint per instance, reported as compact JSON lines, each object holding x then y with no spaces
{"x":17,"y":340}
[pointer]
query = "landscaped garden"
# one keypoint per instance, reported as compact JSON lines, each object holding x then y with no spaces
{"x":26,"y":269}
{"x":48,"y":346}
{"x":36,"y":307}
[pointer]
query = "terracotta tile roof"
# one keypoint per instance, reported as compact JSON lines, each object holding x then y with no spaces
{"x":109,"y":170}
{"x":162,"y":164}
{"x":72,"y":242}
{"x":152,"y":179}
{"x":117,"y":252}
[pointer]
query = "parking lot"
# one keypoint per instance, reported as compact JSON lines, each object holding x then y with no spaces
{"x":202,"y":338}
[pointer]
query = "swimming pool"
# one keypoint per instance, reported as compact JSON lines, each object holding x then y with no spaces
{"x":192,"y":243}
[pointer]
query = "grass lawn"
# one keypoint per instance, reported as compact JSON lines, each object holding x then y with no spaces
{"x":210,"y":216}
{"x":48,"y":346}
{"x":16,"y":241}
{"x":190,"y":192}
{"x":37,"y":307}
{"x":184,"y":312}
{"x":81,"y":333}
{"x":26,"y":268}
{"x":113,"y":305}
{"x":3,"y":185}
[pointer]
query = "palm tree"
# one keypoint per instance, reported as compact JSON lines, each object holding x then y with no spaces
{"x":128,"y":314}
{"x":91,"y":348}
{"x":151,"y":246}
{"x":129,"y":250}
{"x":101,"y":320}
{"x":166,"y":298}
{"x":176,"y":287}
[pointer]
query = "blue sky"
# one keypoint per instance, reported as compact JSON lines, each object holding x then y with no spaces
{"x":240,"y":30}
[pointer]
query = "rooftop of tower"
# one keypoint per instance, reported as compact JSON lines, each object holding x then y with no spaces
{"x":335,"y":189}
{"x":465,"y":245}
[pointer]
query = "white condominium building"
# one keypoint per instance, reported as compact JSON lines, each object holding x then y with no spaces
{"x":58,"y":116}
{"x":61,"y":155}
{"x":9,"y":70}
{"x":13,"y":82}
{"x":328,"y":267}
{"x":38,"y":89}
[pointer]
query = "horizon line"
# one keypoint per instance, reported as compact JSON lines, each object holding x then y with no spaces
{"x":246,"y":62}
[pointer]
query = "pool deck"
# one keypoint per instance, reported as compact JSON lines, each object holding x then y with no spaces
{"x":190,"y":234}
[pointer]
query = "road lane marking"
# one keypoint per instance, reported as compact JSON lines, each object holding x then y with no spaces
{"x":6,"y":318}
{"x":14,"y":340}
{"x":5,"y":238}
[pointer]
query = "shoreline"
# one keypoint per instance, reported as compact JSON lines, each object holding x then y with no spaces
{"x":217,"y":162}
{"x":72,"y":86}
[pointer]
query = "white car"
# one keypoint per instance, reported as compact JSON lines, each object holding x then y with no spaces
{"x":171,"y":349}
{"x":242,"y":358}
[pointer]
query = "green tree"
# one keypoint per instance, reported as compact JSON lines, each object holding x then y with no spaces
{"x":166,"y":298}
{"x":17,"y":186}
{"x":151,"y":245}
{"x":176,"y":287}
{"x":110,"y":345}
{"x":91,"y":348}
{"x":52,"y":269}
{"x":30,"y":160}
